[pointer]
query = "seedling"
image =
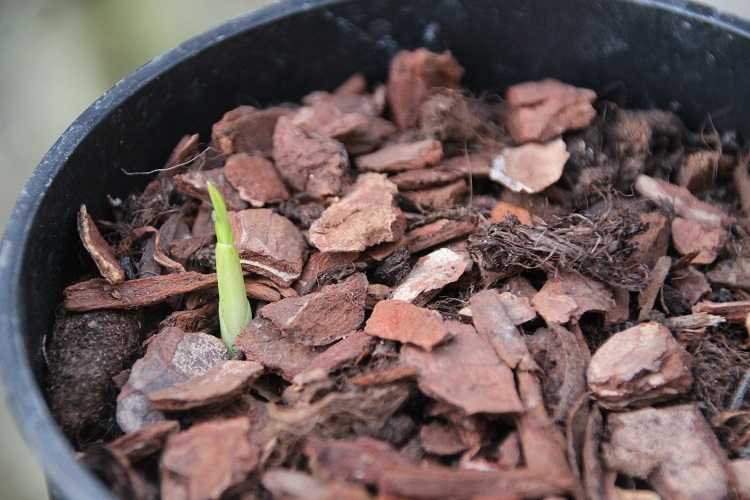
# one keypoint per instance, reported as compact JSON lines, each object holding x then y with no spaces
{"x":234,"y":308}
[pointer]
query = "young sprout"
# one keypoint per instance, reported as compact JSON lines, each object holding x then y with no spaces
{"x":234,"y":308}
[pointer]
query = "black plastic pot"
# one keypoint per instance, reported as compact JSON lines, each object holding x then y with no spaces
{"x":644,"y":53}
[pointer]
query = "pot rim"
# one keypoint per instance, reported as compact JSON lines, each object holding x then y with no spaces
{"x":41,"y":432}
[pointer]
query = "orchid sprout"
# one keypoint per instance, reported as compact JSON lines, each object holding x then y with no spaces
{"x":234,"y":308}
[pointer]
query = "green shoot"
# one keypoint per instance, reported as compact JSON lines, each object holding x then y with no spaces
{"x":234,"y":308}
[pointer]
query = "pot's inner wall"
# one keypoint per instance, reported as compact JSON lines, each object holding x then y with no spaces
{"x":637,"y":54}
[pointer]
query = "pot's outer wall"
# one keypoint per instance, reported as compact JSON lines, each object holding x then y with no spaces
{"x":640,"y":53}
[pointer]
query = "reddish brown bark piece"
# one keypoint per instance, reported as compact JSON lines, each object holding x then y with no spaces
{"x":464,"y":373}
{"x":321,"y":317}
{"x":269,"y":244}
{"x":263,"y":343}
{"x":694,"y":284}
{"x":247,"y":130}
{"x":208,"y":459}
{"x":344,"y":353}
{"x":653,"y":242}
{"x":542,"y":440}
{"x":673,"y":448}
{"x":438,"y":232}
{"x":366,"y":216}
{"x":494,"y":325}
{"x":145,"y":441}
{"x":440,"y":197}
{"x":543,"y":110}
{"x":530,"y":168}
{"x":621,"y":311}
{"x":680,"y":200}
{"x":690,"y":236}
{"x":476,"y":165}
{"x":358,"y":461}
{"x":223,"y":383}
{"x":647,"y":297}
{"x":318,"y":263}
{"x":429,"y":275}
{"x":441,"y":439}
{"x":386,"y":376}
{"x":132,"y":294}
{"x":517,"y":308}
{"x":195,"y":184}
{"x":699,"y":170}
{"x":173,"y":356}
{"x":734,"y":312}
{"x":407,"y":323}
{"x":411,"y":77}
{"x":401,"y":157}
{"x":102,"y":253}
{"x":502,"y":210}
{"x":283,"y":483}
{"x":255,"y":179}
{"x":411,"y":481}
{"x":639,"y":366}
{"x":731,"y":273}
{"x":306,"y":163}
{"x":425,"y":178}
{"x":563,"y":356}
{"x":570,"y":295}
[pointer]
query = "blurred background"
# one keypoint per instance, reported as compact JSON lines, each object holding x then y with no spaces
{"x":58,"y":57}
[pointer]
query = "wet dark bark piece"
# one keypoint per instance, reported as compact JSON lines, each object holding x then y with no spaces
{"x":195,"y":184}
{"x":640,"y":366}
{"x":172,"y":356}
{"x":99,"y":250}
{"x":133,"y":294}
{"x":401,"y":157}
{"x":359,"y":461}
{"x":407,"y":323}
{"x":145,"y":441}
{"x":540,"y":111}
{"x":366,"y":216}
{"x":438,"y":232}
{"x":412,"y":481}
{"x":394,"y":268}
{"x":485,"y":384}
{"x":208,"y":459}
{"x":306,"y":163}
{"x":262,"y":342}
{"x":683,"y":458}
{"x":81,"y":392}
{"x":223,"y":383}
{"x":269,"y":244}
{"x":255,"y":179}
{"x":411,"y":77}
{"x":321,"y":317}
{"x":247,"y":130}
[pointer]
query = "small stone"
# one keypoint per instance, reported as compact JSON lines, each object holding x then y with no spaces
{"x":401,"y":157}
{"x":366,"y":216}
{"x":689,"y":235}
{"x":543,"y":110}
{"x":412,"y":76}
{"x":639,"y":366}
{"x":673,"y":448}
{"x":208,"y":459}
{"x":407,"y":323}
{"x":530,"y":168}
{"x":309,"y":163}
{"x":172,"y":356}
{"x":465,"y":373}
{"x":223,"y":383}
{"x":322,"y":317}
{"x":429,"y":275}
{"x":255,"y":179}
{"x":269,"y":244}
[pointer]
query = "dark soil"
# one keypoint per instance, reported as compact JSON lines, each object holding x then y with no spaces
{"x":453,"y":297}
